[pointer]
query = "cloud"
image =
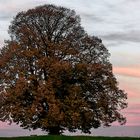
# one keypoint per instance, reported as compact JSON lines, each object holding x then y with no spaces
{"x":5,"y":16}
{"x":132,"y":114}
{"x":130,"y":36}
{"x":131,"y":86}
{"x":133,"y":109}
{"x":8,"y":9}
{"x":127,"y":71}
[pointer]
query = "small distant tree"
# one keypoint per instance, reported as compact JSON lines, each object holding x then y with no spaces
{"x":56,"y":77}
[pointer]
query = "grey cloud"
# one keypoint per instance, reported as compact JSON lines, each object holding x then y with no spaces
{"x":111,"y":43}
{"x":92,"y":17}
{"x":131,"y":0}
{"x":4,"y":1}
{"x":5,"y":17}
{"x":130,"y":36}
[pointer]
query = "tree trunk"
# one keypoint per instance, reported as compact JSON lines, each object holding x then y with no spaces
{"x":56,"y":130}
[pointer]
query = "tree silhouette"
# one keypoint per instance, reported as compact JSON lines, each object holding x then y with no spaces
{"x":56,"y":77}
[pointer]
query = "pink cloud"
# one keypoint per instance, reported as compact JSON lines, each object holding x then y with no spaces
{"x":132,"y":92}
{"x":127,"y":71}
{"x":132,"y":114}
{"x":131,"y":87}
{"x":133,"y":121}
{"x":134,"y":106}
{"x":129,"y":81}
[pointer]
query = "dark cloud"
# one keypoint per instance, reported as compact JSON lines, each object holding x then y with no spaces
{"x":130,"y":36}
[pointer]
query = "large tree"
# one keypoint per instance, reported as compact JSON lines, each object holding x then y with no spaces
{"x":56,"y":77}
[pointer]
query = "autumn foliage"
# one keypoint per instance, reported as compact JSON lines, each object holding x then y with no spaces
{"x":56,"y":77}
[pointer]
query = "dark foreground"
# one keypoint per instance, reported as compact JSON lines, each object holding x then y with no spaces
{"x":69,"y":138}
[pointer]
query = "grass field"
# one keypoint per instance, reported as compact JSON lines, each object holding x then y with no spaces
{"x":69,"y":138}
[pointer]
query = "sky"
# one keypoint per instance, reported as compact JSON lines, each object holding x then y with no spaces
{"x":116,"y":22}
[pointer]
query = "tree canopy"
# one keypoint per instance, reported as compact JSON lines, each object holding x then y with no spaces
{"x":56,"y":77}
